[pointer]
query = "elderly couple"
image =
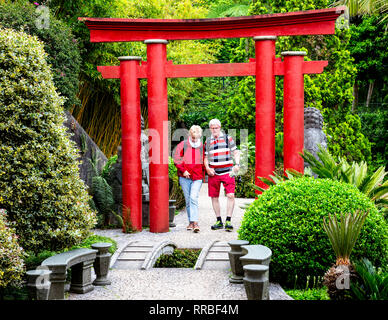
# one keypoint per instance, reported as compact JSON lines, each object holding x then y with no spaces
{"x":191,"y":157}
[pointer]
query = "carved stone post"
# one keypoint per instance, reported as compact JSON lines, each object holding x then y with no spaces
{"x":234,"y":257}
{"x":101,"y":264}
{"x":256,"y":281}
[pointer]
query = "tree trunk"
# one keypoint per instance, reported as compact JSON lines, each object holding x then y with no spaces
{"x":355,"y":95}
{"x":370,"y":91}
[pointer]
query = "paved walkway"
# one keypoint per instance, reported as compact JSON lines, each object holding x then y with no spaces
{"x":172,"y":283}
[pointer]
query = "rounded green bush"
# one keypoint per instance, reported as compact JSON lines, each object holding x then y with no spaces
{"x":40,"y":185}
{"x":288,"y":218}
{"x":11,"y":254}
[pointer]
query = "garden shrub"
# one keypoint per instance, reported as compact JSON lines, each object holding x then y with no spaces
{"x":40,"y":185}
{"x":288,"y":218}
{"x":62,"y":49}
{"x":11,"y":254}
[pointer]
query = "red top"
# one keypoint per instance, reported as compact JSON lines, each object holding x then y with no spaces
{"x":190,"y":160}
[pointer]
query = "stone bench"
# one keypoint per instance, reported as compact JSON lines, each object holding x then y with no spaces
{"x":250,"y":265}
{"x":48,"y":280}
{"x":255,"y":254}
{"x":80,"y":261}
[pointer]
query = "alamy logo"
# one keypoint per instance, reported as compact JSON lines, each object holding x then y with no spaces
{"x":43,"y":20}
{"x":343,"y":281}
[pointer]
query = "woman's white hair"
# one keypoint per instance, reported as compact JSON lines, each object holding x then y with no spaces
{"x":214,"y":122}
{"x":195,"y":131}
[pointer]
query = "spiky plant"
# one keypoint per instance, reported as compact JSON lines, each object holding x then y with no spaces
{"x":276,"y":178}
{"x":356,"y":174}
{"x":372,"y":284}
{"x":342,"y":236}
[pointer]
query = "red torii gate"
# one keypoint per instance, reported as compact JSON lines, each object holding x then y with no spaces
{"x":155,"y":33}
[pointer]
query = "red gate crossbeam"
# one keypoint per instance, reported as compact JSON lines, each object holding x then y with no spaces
{"x":212,"y":70}
{"x":279,"y":24}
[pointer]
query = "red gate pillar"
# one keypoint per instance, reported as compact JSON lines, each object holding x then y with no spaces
{"x":157,"y":120}
{"x":293,"y":110}
{"x":130,"y":145}
{"x":265,"y":108}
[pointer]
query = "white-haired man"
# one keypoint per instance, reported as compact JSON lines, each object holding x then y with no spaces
{"x":218,"y":161}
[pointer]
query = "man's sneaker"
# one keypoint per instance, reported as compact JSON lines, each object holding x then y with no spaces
{"x":217,"y":225}
{"x":228,"y":226}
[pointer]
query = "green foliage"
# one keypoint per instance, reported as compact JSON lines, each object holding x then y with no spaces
{"x":343,"y":235}
{"x":39,"y":176}
{"x":103,"y":198}
{"x":374,"y":126}
{"x":346,"y":140}
{"x":180,"y":258}
{"x":62,"y":48}
{"x":276,"y":178}
{"x":11,"y":254}
{"x":287,"y":218}
{"x":371,"y":284}
{"x":102,"y":192}
{"x":367,"y":46}
{"x":308,"y":294}
{"x":245,"y":184}
{"x":228,"y":8}
{"x":371,"y":184}
{"x":87,"y":243}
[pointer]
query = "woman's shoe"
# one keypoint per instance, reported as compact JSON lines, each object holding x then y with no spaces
{"x":190,"y":226}
{"x":196,"y":228}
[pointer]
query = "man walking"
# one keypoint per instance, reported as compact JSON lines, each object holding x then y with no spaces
{"x":219,"y":149}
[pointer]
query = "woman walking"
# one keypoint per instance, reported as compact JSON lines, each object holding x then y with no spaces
{"x":188,"y":158}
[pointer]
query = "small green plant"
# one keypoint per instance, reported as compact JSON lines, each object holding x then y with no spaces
{"x":342,"y":236}
{"x":308,"y":294}
{"x":102,"y":192}
{"x":371,"y":284}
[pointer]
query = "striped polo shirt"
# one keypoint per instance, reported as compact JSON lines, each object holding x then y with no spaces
{"x":219,"y":153}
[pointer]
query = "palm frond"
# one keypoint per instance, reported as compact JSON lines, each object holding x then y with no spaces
{"x":375,"y":179}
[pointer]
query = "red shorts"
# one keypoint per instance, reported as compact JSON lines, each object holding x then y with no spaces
{"x":214,"y":184}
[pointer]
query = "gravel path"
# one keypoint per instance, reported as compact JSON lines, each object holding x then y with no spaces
{"x":177,"y":284}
